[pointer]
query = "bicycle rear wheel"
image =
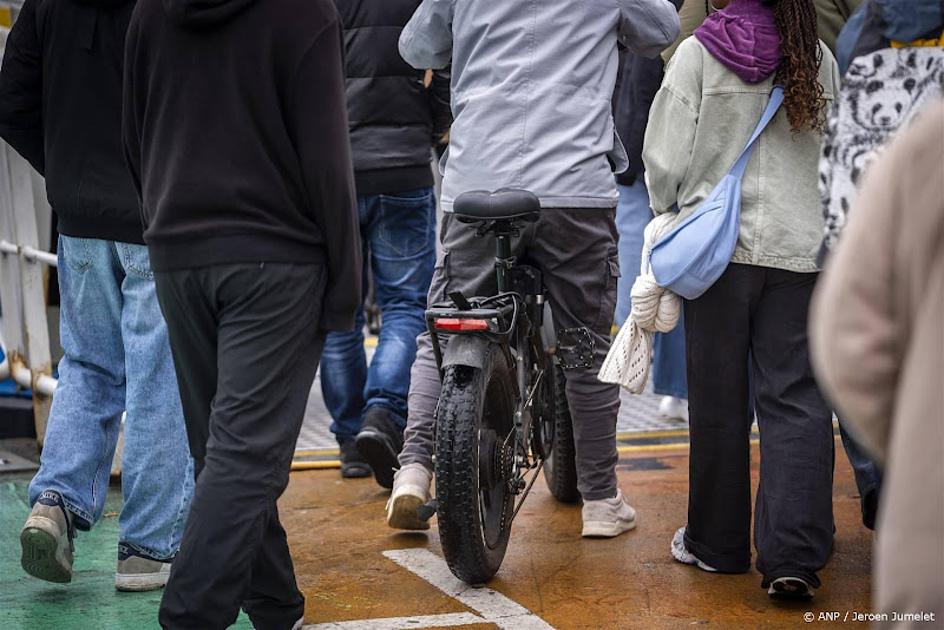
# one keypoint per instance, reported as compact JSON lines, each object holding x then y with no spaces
{"x":474,"y":417}
{"x":560,"y":464}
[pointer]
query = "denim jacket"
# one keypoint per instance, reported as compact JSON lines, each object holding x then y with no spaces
{"x":532,"y":86}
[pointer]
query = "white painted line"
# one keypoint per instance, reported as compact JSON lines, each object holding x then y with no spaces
{"x":401,"y":623}
{"x":492,"y":605}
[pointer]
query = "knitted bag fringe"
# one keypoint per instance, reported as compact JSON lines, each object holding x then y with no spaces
{"x":655,"y":309}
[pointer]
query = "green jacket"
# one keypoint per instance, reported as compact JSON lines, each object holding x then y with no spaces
{"x":702,"y":117}
{"x":832,"y":16}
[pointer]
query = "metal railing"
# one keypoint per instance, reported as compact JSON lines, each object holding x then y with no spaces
{"x":23,"y":282}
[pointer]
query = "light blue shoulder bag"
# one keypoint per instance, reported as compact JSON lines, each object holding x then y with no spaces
{"x":690,"y":258}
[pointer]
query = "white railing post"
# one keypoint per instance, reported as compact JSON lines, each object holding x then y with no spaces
{"x":23,"y":276}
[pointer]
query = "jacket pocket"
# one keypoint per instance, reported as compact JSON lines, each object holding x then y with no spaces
{"x":617,"y":156}
{"x":442,"y":162}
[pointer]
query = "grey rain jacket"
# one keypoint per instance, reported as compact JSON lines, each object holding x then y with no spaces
{"x":532,"y":86}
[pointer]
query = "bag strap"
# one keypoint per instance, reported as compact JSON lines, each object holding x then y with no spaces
{"x":773,"y":105}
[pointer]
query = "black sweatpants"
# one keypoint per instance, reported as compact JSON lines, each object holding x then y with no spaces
{"x":750,"y":329}
{"x":246,"y":345}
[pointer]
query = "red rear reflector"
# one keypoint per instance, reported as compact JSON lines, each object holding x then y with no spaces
{"x":461,"y":325}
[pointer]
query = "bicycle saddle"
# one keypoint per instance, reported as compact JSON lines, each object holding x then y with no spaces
{"x":502,"y":205}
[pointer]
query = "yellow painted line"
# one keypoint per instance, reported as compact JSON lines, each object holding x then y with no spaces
{"x":325,"y":465}
{"x":317,"y":452}
{"x":370,"y":342}
{"x":6,"y":17}
{"x":651,"y":448}
{"x":643,"y":435}
{"x":623,"y":450}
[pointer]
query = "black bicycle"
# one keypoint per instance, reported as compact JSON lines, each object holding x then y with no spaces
{"x":502,"y":415}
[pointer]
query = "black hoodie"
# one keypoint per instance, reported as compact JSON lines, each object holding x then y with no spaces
{"x":236,"y":133}
{"x":60,"y":108}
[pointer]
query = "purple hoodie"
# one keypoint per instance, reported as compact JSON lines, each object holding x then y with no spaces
{"x":744,"y":37}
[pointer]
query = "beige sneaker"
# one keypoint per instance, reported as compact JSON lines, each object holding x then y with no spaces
{"x":607,"y":518}
{"x":137,"y":572}
{"x":46,"y":540}
{"x":410,"y":491}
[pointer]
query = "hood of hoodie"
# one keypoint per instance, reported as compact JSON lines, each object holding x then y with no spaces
{"x":744,"y":38}
{"x":197,"y":14}
{"x":908,"y":20}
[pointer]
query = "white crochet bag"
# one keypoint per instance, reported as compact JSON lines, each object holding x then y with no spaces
{"x":655,"y":309}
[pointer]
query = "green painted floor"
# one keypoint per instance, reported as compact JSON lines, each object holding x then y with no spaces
{"x":90,"y":601}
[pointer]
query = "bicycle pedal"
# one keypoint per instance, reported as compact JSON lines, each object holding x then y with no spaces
{"x":427,"y":510}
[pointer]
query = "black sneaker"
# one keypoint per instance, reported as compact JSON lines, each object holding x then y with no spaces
{"x":380,"y":441}
{"x":353,"y":465}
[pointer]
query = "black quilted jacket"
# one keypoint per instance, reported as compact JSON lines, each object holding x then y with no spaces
{"x":394,"y":117}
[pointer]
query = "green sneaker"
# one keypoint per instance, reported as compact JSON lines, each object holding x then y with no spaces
{"x":47,"y":540}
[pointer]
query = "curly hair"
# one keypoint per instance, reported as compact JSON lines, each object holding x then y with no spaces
{"x":799,"y":70}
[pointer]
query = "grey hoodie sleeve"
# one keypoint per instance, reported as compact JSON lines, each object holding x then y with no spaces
{"x":647,"y":27}
{"x":426,"y":40}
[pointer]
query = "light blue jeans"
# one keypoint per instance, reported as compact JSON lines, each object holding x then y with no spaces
{"x":632,"y":216}
{"x":117,"y":359}
{"x":399,"y":237}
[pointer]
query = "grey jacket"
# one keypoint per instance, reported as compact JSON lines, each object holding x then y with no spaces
{"x":532,"y":85}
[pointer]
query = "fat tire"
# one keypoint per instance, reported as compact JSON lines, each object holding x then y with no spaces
{"x":459,"y":416}
{"x":560,"y":468}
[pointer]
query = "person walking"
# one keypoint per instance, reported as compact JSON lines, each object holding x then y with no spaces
{"x":877,"y":340}
{"x":542,"y":123}
{"x":395,"y":119}
{"x":60,"y":108}
{"x":893,"y":67}
{"x":746,"y":339}
{"x":639,"y":81}
{"x":236,"y":131}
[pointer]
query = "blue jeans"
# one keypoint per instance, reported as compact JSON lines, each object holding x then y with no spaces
{"x":632,"y":216}
{"x":399,"y":237}
{"x":868,"y":476}
{"x":117,"y":359}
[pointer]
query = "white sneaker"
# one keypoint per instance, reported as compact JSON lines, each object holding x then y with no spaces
{"x":607,"y":518}
{"x":681,"y":553}
{"x":672,"y":408}
{"x":410,"y":491}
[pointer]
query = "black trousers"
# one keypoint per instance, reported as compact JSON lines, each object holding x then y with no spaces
{"x":749,"y":333}
{"x":246,"y":344}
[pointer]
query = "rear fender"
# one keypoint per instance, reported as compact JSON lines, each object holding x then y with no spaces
{"x":467,"y":350}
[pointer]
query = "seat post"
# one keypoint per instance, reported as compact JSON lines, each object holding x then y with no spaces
{"x":503,"y":258}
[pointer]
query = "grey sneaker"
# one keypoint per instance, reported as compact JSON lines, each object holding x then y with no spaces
{"x":607,"y":518}
{"x":138,"y":572}
{"x":410,"y":492}
{"x":46,"y":539}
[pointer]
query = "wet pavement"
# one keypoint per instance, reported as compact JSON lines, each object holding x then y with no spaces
{"x":550,"y":578}
{"x":338,"y":539}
